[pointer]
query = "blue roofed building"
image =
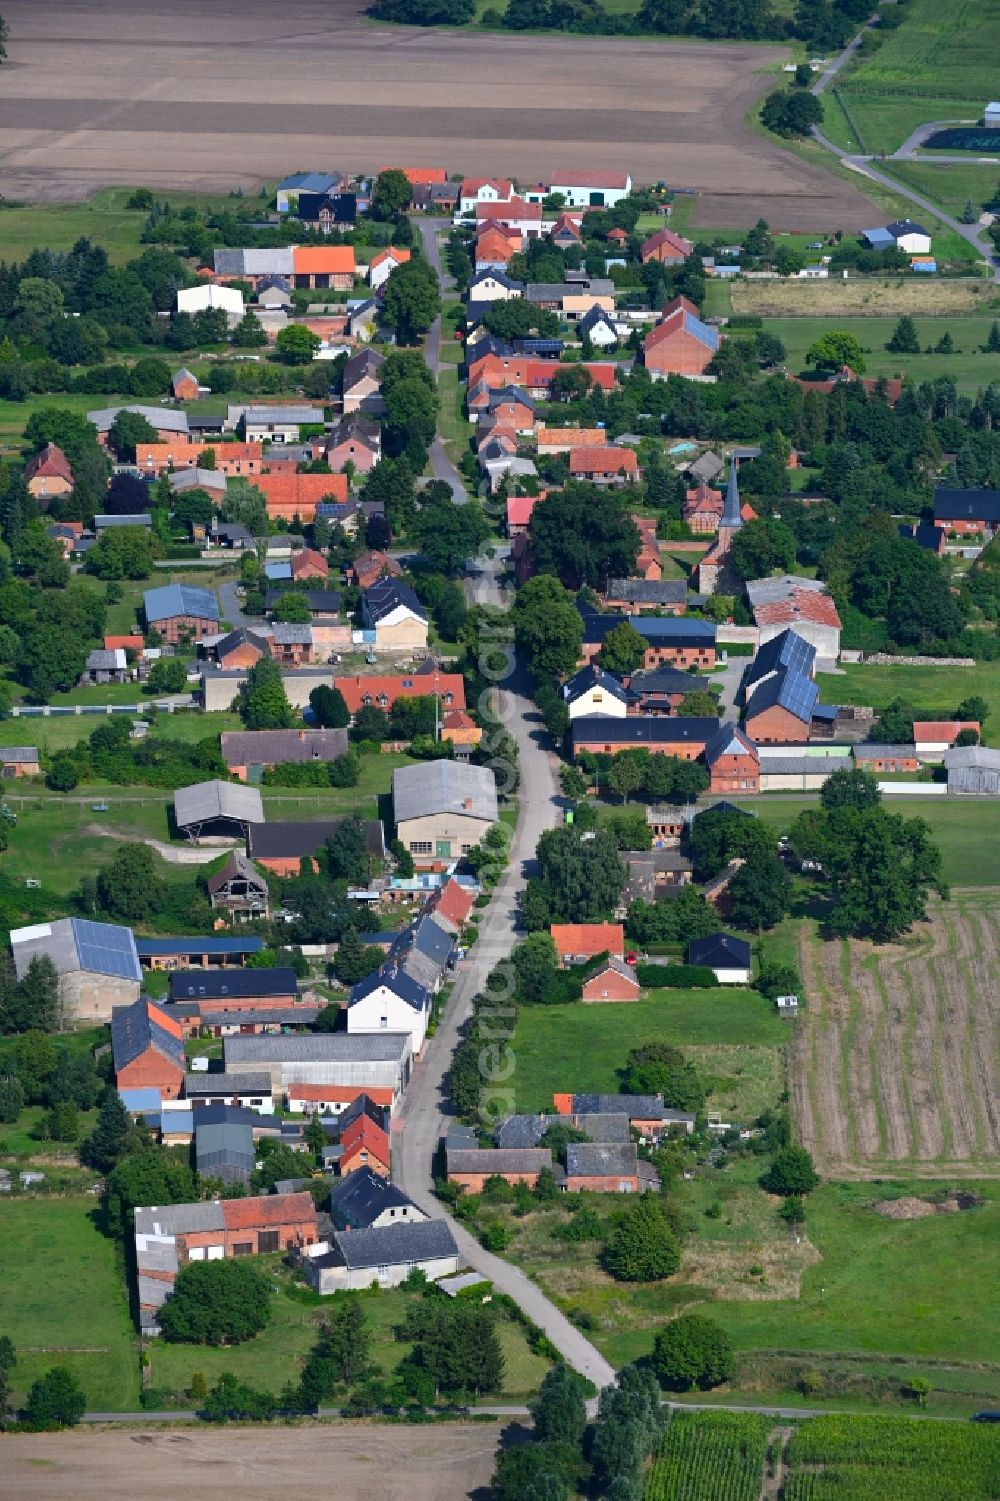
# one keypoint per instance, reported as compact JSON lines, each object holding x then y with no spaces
{"x":180,"y":611}
{"x":787,"y":651}
{"x":671,"y":641}
{"x":289,"y":188}
{"x":780,"y":709}
{"x":96,"y":962}
{"x":204,"y":949}
{"x":147,"y":1049}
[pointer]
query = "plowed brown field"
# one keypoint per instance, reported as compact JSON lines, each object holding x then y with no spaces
{"x":895,"y":1062}
{"x":183,"y":94}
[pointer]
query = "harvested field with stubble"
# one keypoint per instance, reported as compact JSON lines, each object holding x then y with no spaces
{"x":178,"y":94}
{"x":895,"y":1064}
{"x":886,"y":297}
{"x":444,"y":1462}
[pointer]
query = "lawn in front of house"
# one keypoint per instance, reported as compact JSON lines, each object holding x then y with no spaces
{"x":63,"y":1299}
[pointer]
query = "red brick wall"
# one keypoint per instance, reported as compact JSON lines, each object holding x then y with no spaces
{"x":688,"y":750}
{"x":610,"y":987}
{"x":151,"y":1071}
{"x":664,"y":656}
{"x":775,"y":725}
{"x":679,"y":354}
{"x":474,"y":1181}
{"x":735,"y":774}
{"x":363,"y":1157}
{"x":603,"y":1185}
{"x":170,"y":630}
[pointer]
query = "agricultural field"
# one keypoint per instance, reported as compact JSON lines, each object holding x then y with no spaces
{"x":871,"y":1458}
{"x":969,"y":367}
{"x":867,"y":123}
{"x":62,"y":1299}
{"x":935,"y":689}
{"x":103,"y":218}
{"x":861,"y":297}
{"x":582,"y":1047}
{"x":951,"y":184}
{"x":894,"y":1064}
{"x":710,"y":1457}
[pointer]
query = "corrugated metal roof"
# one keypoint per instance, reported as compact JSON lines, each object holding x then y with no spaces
{"x":204,"y":801}
{"x":333,"y":1047}
{"x":179,"y":599}
{"x":434,"y":787}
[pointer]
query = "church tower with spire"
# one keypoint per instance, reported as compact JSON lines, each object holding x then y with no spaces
{"x":711,"y":565}
{"x":732,"y":517}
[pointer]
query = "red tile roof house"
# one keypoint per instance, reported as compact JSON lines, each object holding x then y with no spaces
{"x":604,"y":466}
{"x":703,"y":508}
{"x":932,"y":737}
{"x":666,"y":247}
{"x":364,"y":1145}
{"x":578,"y":943}
{"x":369,"y":567}
{"x":519,"y":509}
{"x":494,"y":248}
{"x":532,"y":375}
{"x":307,"y":563}
{"x":317,"y":266}
{"x":48,"y":474}
{"x":147,"y":1048}
{"x":732,"y":761}
{"x":452,"y":902}
{"x":333,"y":1099}
{"x":382,"y":692}
{"x":680,"y":344}
{"x":297,"y":495}
{"x":613,"y":980}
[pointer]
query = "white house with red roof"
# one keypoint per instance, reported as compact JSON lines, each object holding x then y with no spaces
{"x":476,"y":190}
{"x":584,"y":189}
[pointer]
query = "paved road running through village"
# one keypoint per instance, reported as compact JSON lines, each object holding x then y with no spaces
{"x":441,"y":465}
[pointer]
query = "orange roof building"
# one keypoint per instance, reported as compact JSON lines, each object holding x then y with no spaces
{"x":337,"y":1096}
{"x":48,"y":473}
{"x":230,"y":458}
{"x":363,"y":1144}
{"x":290,"y":495}
{"x":370,"y":692}
{"x":125,"y":643}
{"x":603,"y":463}
{"x":420,"y":177}
{"x":460,"y":728}
{"x":324,"y":266}
{"x":577,"y":943}
{"x":451,"y":901}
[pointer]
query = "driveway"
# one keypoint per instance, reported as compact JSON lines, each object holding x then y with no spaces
{"x":424,"y":1116}
{"x":441,"y":465}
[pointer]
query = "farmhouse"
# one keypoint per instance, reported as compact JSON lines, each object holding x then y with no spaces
{"x":727,"y":957}
{"x":681,"y":343}
{"x":578,"y":943}
{"x":442,"y":809}
{"x":216,"y":807}
{"x":240,"y":648}
{"x":337,"y":1099}
{"x":632,"y":596}
{"x":803,"y":604}
{"x":607,"y":1167}
{"x":48,"y":474}
{"x":788,"y":651}
{"x":249,"y":752}
{"x":147,"y":1049}
{"x":732,"y":761}
{"x":179,"y":611}
{"x":96,"y":962}
{"x":390,"y":1000}
{"x":247,"y":1091}
{"x":973,"y":771}
{"x":185,"y":459}
{"x":886,"y":758}
{"x":592,"y":691}
{"x":666,"y":247}
{"x":364,"y":1200}
{"x":780,"y":709}
{"x":967,"y":513}
{"x":586,"y":189}
{"x":363,"y":1144}
{"x":386,"y":1254}
{"x":663,"y":734}
{"x":661,"y":689}
{"x":169,"y":424}
{"x":382,"y":692}
{"x":669,"y":642}
{"x":604,"y":466}
{"x":396,"y":617}
{"x":646,"y":1112}
{"x":361,"y":1061}
{"x":291,"y":496}
{"x":19,"y":761}
{"x":234,"y":989}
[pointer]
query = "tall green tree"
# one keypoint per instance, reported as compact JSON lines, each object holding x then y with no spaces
{"x":216,"y":1302}
{"x":584,"y":535}
{"x":559,"y":1412}
{"x":263,"y":703}
{"x":692,"y":1354}
{"x":329,"y":711}
{"x":548,"y":628}
{"x":54,"y":1401}
{"x":112,"y":1137}
{"x":760,"y":893}
{"x":391,"y":194}
{"x":411,"y":301}
{"x":623,"y":649}
{"x":449,"y":534}
{"x":132,"y":885}
{"x":644,"y":1248}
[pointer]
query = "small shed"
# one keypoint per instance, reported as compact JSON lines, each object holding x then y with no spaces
{"x":217,"y":807}
{"x":973,"y":771}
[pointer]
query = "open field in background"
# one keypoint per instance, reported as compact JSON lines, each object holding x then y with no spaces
{"x":883,"y":122}
{"x":58,"y":733}
{"x":469,"y":102}
{"x":863,"y":297}
{"x":894,"y":1062}
{"x":951,"y":184}
{"x":62,"y":1301}
{"x":103,"y":218}
{"x":947,"y":50}
{"x":968,"y":367}
{"x":443,"y":1462}
{"x":939,"y":689}
{"x":963,"y":828}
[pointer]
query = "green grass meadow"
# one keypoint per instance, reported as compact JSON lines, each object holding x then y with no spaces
{"x":939,"y":689}
{"x":951,"y":184}
{"x":968,"y":367}
{"x":102,"y":218}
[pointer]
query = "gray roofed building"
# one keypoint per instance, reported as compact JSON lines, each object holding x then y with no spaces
{"x":173,"y":600}
{"x":365,"y":1199}
{"x":973,"y":770}
{"x":279,"y":416}
{"x":224,"y":1150}
{"x":422,"y":1241}
{"x":706,"y":467}
{"x":646,"y":1107}
{"x":291,"y":633}
{"x":648,"y":591}
{"x":179,"y":1219}
{"x":224,"y":1087}
{"x":216,"y":801}
{"x":134,"y":1029}
{"x":74,"y":943}
{"x":196,"y":479}
{"x":376,"y":1060}
{"x":141,"y":519}
{"x":164,"y":419}
{"x":527,"y":1161}
{"x":281,"y":747}
{"x":433,"y":787}
{"x":599,"y":1159}
{"x":19,"y":755}
{"x":871,"y":750}
{"x":275,"y":262}
{"x":382,"y":599}
{"x":519,"y":1131}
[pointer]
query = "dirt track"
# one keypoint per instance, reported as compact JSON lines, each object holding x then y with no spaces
{"x":445,"y":1462}
{"x":895,"y":1061}
{"x":177,"y":93}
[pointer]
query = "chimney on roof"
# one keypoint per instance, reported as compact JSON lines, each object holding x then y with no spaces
{"x":467,"y":804}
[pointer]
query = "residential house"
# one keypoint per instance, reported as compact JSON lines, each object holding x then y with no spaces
{"x":289,"y":189}
{"x":461,"y":730}
{"x":364,"y":1200}
{"x":525,"y":218}
{"x":180,"y":612}
{"x":633,"y":596}
{"x":327,"y":211}
{"x":364,"y":1061}
{"x":147,"y":1049}
{"x":665,"y":246}
{"x":702,"y":509}
{"x":592,"y":691}
{"x":600,"y":326}
{"x":607,"y":1167}
{"x":801,"y":603}
{"x":604,"y":466}
{"x":665,"y":734}
{"x":19,"y":761}
{"x":170,"y":425}
{"x":646,"y":1112}
{"x":240,"y":648}
{"x":494,"y":248}
{"x":583,"y":190}
{"x":681,"y":343}
{"x":171,"y":1236}
{"x":354,"y":441}
{"x":967,"y":513}
{"x":364,"y":1145}
{"x":491,"y":286}
{"x":532,"y":375}
{"x":239,"y":889}
{"x":613,"y":980}
{"x":362,"y":382}
{"x":184,"y":385}
{"x":342,"y":1101}
{"x":727,"y":957}
{"x":239,"y":459}
{"x":732,"y":761}
{"x":390,"y":1000}
{"x":932,"y":737}
{"x":476,"y":190}
{"x":367,"y":692}
{"x":216,"y":807}
{"x":249,"y":752}
{"x":661,"y":690}
{"x":48,"y":474}
{"x":442,"y":809}
{"x":307,"y":563}
{"x":670,"y":642}
{"x":925,"y":534}
{"x":470,"y":1167}
{"x":579,"y":943}
{"x":394,"y":614}
{"x":573,"y":298}
{"x":281,"y":422}
{"x":281,"y":846}
{"x":294,"y":497}
{"x":371,"y":566}
{"x":383,"y":263}
{"x":354,"y":1259}
{"x":96,"y":962}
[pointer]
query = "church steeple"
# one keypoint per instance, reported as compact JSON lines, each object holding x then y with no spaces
{"x":732,"y":517}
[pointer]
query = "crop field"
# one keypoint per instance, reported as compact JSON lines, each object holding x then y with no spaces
{"x":945,"y":50}
{"x":862,"y":297}
{"x":884,"y":1458}
{"x":894,"y":1064}
{"x":467,"y":100}
{"x":968,"y":366}
{"x":710,"y":1457}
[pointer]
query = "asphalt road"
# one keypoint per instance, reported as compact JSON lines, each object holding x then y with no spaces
{"x":423,"y":1119}
{"x":441,"y":465}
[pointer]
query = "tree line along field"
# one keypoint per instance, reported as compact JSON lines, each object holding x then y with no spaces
{"x":894,"y":1065}
{"x":864,"y":297}
{"x":969,"y":367}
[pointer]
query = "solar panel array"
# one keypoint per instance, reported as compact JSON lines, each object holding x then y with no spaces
{"x":798,"y":694}
{"x":106,"y":949}
{"x":797,"y":653}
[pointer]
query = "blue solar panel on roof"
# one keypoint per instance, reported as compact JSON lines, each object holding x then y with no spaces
{"x":106,"y":949}
{"x":798,"y":694}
